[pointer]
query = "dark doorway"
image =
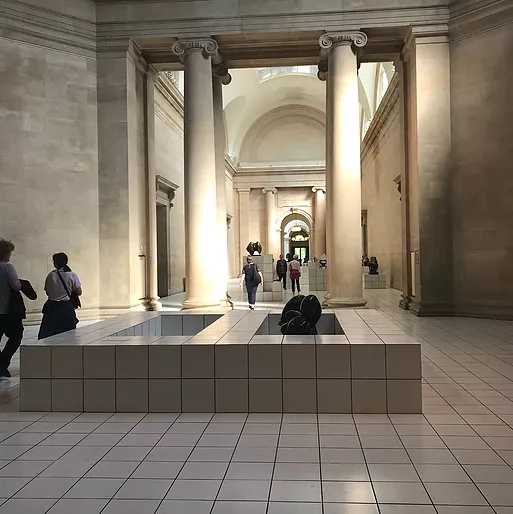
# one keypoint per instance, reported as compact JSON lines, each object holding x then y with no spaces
{"x":162,"y":251}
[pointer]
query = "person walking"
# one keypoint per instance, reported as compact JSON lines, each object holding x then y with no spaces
{"x":295,"y":274}
{"x":63,"y":289}
{"x":11,"y":322}
{"x":281,"y":271}
{"x":253,"y":277}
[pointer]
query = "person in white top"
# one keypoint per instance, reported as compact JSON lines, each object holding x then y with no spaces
{"x":62,"y":286}
{"x":295,"y":273}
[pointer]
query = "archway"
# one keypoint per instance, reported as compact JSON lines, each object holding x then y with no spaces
{"x":296,"y":231}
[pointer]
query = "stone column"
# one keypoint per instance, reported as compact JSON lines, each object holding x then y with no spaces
{"x":319,"y":221}
{"x":221,"y":76}
{"x":199,"y":171}
{"x":151,"y":300}
{"x":270,"y":204}
{"x":244,"y":208}
{"x":344,"y":182}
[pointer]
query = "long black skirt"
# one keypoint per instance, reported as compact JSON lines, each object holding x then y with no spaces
{"x":58,"y":317}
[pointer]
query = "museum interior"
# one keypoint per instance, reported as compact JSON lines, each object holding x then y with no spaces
{"x":159,"y":144}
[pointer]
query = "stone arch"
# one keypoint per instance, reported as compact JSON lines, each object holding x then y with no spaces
{"x":312,"y":120}
{"x":294,"y":213}
{"x":304,"y":219}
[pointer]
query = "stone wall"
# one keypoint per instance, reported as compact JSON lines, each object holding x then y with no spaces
{"x":49,"y":163}
{"x":482,"y":185}
{"x":381,"y":165}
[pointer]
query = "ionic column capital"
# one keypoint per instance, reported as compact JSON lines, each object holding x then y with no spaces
{"x":221,"y":70}
{"x":330,"y":39}
{"x":207,"y":46}
{"x":320,"y":189}
{"x":272,"y":190}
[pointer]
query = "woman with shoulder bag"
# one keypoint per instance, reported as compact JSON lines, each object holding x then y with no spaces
{"x":63,"y":289}
{"x":253,"y":277}
{"x":295,"y":274}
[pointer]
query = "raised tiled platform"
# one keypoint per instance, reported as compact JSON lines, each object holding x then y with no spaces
{"x":317,"y":277}
{"x":374,"y":281}
{"x":237,"y":362}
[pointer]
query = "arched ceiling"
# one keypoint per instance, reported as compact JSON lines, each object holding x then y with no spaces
{"x":248,"y":99}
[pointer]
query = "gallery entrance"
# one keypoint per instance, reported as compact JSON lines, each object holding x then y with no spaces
{"x":299,"y":245}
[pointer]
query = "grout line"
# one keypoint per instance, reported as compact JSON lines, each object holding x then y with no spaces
{"x":274,"y":465}
{"x":366,"y":464}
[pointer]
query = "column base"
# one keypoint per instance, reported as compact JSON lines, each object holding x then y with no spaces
{"x":152,"y":304}
{"x":405,"y":303}
{"x":428,"y":309}
{"x":200,"y":304}
{"x":341,"y":303}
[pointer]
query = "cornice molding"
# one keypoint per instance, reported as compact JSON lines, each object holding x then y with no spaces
{"x":254,"y":23}
{"x":47,"y":28}
{"x":472,"y":17}
{"x":381,"y":118}
{"x":170,"y":92}
{"x":230,"y":166}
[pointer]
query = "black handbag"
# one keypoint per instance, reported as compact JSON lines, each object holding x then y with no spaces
{"x":73,"y":296}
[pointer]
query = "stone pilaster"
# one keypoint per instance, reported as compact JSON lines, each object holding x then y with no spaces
{"x":199,"y":170}
{"x":343,"y":174}
{"x":270,"y":209}
{"x":428,"y":172}
{"x":244,"y":212}
{"x":319,"y":222}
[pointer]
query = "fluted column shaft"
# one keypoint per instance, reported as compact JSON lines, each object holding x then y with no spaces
{"x":343,"y":173}
{"x":199,"y":173}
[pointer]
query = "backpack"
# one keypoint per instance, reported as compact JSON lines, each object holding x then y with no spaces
{"x":253,"y":276}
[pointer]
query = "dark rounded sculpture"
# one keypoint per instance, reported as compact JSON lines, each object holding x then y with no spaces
{"x":299,"y":327}
{"x":311,"y":309}
{"x":253,"y":248}
{"x":300,"y":315}
{"x":290,"y":315}
{"x":294,"y":304}
{"x":373,"y":266}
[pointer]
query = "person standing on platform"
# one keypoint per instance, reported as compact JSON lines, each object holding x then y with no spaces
{"x":253,"y":277}
{"x":281,"y":271}
{"x":295,"y":274}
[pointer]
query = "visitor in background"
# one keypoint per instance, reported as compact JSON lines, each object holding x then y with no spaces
{"x":295,"y":274}
{"x":63,"y":288}
{"x":253,"y":277}
{"x":281,"y":270}
{"x":365,"y":260}
{"x":11,"y":323}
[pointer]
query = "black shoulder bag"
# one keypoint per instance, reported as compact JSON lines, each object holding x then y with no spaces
{"x":73,"y":296}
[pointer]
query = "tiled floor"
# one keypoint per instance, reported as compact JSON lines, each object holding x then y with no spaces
{"x":454,"y":459}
